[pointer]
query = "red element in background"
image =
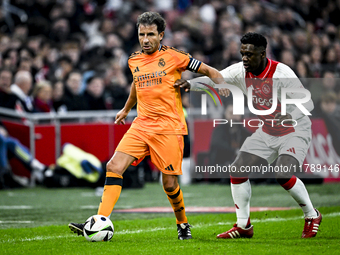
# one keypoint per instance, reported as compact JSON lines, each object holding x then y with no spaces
{"x":213,"y":90}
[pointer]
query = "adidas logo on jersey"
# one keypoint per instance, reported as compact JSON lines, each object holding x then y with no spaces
{"x":136,"y":70}
{"x":292,"y":150}
{"x":169,"y":168}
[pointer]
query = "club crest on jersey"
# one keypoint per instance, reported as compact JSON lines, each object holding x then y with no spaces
{"x":266,"y":88}
{"x":161,"y":62}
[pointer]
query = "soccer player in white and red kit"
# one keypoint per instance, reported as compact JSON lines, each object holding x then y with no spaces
{"x":289,"y":145}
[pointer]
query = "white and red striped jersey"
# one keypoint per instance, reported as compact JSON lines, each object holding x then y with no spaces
{"x":275,"y":74}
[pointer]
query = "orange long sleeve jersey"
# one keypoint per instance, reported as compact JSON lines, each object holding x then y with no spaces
{"x":159,"y":104}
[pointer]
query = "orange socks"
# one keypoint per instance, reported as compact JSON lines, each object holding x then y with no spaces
{"x":112,"y":190}
{"x":176,"y":200}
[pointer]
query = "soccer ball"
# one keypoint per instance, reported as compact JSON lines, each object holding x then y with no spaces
{"x":98,"y":228}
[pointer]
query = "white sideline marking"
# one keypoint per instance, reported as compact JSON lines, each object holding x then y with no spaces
{"x":15,"y":221}
{"x":89,"y":207}
{"x":186,"y":195}
{"x":37,"y":238}
{"x":124,"y":232}
{"x":88,"y":194}
{"x":14,"y":194}
{"x":15,"y":207}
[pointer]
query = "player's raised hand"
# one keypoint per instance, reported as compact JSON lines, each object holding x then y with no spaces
{"x":182,"y":84}
{"x":279,"y":118}
{"x":120,"y":117}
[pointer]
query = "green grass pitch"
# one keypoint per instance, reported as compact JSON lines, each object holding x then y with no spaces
{"x":34,"y":221}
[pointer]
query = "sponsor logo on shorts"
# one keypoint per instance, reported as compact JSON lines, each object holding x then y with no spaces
{"x":169,"y":168}
{"x":291,"y":150}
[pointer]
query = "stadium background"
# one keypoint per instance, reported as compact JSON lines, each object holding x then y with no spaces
{"x":52,"y":38}
{"x":98,"y":36}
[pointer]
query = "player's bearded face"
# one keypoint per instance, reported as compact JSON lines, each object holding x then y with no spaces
{"x":149,"y":38}
{"x":252,"y":57}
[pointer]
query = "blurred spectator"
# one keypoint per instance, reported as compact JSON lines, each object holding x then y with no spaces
{"x":7,"y":98}
{"x":65,"y":66}
{"x":126,"y":31}
{"x":96,"y":36}
{"x":94,"y":94}
{"x":10,"y":59}
{"x":73,"y":99}
{"x":117,"y":85}
{"x":191,"y":21}
{"x":5,"y":80}
{"x":60,"y":30}
{"x":33,"y":44}
{"x":328,"y":104}
{"x":300,"y":41}
{"x":315,"y":65}
{"x":4,"y":42}
{"x":57,"y":97}
{"x":328,"y":109}
{"x":42,"y":94}
{"x":320,"y":86}
{"x":72,"y":50}
{"x":21,"y":88}
{"x":330,"y":61}
{"x":107,"y":26}
{"x":302,"y":70}
{"x":287,"y":58}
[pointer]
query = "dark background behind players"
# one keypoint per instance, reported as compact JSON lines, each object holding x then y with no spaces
{"x":96,"y":37}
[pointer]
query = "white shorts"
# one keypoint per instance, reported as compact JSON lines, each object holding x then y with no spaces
{"x":270,"y":147}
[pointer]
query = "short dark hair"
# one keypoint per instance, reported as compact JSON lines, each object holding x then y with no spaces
{"x":65,"y":58}
{"x":150,"y":18}
{"x":96,"y":76}
{"x":255,"y":39}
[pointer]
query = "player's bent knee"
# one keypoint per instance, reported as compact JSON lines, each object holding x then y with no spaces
{"x":114,"y":167}
{"x":119,"y":163}
{"x":170,"y":183}
{"x":169,"y":188}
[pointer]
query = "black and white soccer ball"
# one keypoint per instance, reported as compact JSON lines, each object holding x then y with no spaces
{"x":98,"y":228}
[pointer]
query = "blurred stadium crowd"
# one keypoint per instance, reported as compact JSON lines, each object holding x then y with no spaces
{"x":72,"y":54}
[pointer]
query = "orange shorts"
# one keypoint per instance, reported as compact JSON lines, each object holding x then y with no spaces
{"x":166,"y":151}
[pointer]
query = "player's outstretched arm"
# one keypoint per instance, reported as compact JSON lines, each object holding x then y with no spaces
{"x":130,"y":102}
{"x":215,"y":76}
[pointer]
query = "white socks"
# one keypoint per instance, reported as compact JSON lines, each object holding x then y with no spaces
{"x":241,"y":195}
{"x":300,"y":194}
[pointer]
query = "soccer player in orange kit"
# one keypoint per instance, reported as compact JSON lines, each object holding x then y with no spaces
{"x":160,"y":125}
